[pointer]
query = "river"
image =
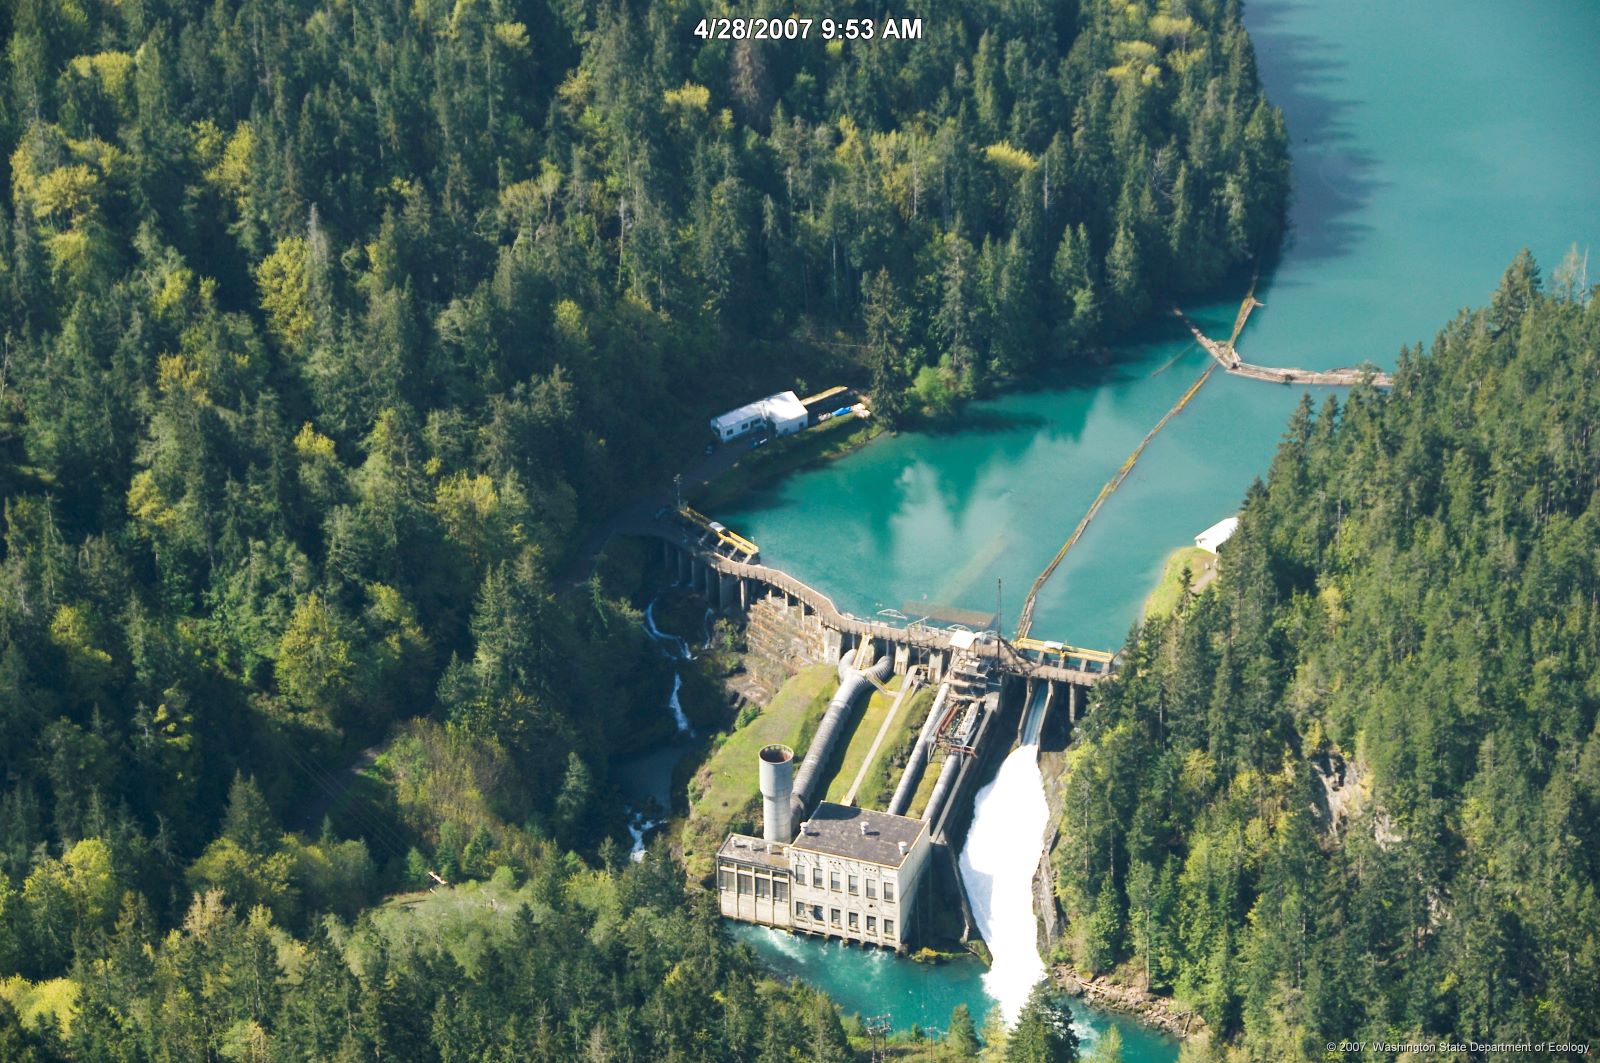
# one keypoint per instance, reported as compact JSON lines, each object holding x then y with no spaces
{"x":1431,"y":141}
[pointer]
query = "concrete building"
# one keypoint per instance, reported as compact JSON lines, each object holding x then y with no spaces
{"x":783,"y":414}
{"x":849,"y":873}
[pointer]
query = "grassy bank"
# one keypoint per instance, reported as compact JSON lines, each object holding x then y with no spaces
{"x":1164,"y":599}
{"x":855,"y":752}
{"x":829,"y":440}
{"x":884,"y":775}
{"x":723,"y":794}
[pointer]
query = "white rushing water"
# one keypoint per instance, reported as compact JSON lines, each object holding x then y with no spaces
{"x":997,"y":866}
{"x":677,"y":706}
{"x":645,"y":819}
{"x":672,"y":645}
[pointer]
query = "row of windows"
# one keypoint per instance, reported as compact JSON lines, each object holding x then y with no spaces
{"x":815,"y":913}
{"x":777,"y":889}
{"x":852,"y":885}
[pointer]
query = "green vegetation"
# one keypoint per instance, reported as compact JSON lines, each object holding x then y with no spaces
{"x":930,"y":779}
{"x":866,"y":729}
{"x":877,"y":789}
{"x":1350,"y":790}
{"x":723,"y":794}
{"x":328,"y":335}
{"x":1174,"y":585}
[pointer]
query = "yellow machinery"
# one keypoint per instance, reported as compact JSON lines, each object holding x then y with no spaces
{"x":1056,"y":649}
{"x":727,"y":538}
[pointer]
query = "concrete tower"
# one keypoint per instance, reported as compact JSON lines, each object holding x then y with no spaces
{"x":777,"y":792}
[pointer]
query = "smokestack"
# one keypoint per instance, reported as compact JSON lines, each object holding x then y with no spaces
{"x":777,"y":793}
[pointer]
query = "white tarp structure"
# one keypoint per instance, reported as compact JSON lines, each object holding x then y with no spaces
{"x":1216,"y":535}
{"x":783,"y":413}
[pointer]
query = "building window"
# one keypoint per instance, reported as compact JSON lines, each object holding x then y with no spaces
{"x":833,"y":881}
{"x":872,"y":924}
{"x":816,"y":877}
{"x":800,"y":875}
{"x":780,"y":890}
{"x":744,"y":884}
{"x":762,"y":886}
{"x":816,"y":912}
{"x":855,"y":921}
{"x":854,"y":885}
{"x":833,"y":916}
{"x":799,"y":910}
{"x":888,"y":892}
{"x":724,"y":880}
{"x":888,"y":927}
{"x":872,"y":890}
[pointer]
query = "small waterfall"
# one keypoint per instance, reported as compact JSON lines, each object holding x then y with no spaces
{"x":677,"y":706}
{"x":671,"y":645}
{"x":645,"y":819}
{"x":639,"y":825}
{"x":997,"y":865}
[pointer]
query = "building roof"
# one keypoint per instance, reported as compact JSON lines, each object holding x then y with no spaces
{"x":836,"y":830}
{"x":1217,"y":534}
{"x":784,"y":406}
{"x":734,"y":418}
{"x":749,"y":850}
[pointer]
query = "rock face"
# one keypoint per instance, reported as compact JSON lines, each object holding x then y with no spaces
{"x":1149,"y":1008}
{"x":1044,"y":901}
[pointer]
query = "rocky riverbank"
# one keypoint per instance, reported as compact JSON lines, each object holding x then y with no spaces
{"x":1152,"y":1009}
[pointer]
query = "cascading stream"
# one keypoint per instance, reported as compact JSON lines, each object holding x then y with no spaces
{"x":675,"y":648}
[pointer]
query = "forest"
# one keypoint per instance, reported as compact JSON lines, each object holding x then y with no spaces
{"x":329,"y":331}
{"x":1352,"y":789}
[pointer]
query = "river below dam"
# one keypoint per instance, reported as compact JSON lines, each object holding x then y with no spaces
{"x":1431,"y":140}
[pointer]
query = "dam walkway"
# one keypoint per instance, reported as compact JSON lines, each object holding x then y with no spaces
{"x":740,"y":581}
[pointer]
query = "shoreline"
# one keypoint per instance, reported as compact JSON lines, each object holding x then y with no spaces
{"x":1152,"y":1009}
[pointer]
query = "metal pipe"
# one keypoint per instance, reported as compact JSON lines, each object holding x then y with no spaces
{"x":941,"y":789}
{"x":852,"y":684}
{"x":912,"y":775}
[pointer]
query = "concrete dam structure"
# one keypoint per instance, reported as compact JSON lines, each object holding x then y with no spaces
{"x":837,"y":870}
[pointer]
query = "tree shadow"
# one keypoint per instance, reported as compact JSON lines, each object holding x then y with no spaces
{"x":1334,"y":179}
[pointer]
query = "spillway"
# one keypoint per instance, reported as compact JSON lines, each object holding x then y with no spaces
{"x":999,"y":859}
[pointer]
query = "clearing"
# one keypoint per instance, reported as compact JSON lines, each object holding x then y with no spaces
{"x":724,"y":794}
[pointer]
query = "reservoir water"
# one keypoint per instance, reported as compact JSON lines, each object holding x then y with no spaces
{"x":1431,"y":141}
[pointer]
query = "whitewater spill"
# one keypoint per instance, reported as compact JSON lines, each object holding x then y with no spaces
{"x":997,"y":866}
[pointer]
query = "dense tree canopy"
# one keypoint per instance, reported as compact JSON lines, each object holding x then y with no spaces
{"x":326,"y":330}
{"x":1350,"y":790}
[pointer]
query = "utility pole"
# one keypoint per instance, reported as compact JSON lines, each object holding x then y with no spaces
{"x":999,"y":586}
{"x":877,"y":1029}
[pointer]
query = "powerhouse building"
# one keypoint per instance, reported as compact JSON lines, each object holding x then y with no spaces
{"x":848,"y":873}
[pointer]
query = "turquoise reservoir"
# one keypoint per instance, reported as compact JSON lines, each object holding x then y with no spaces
{"x":1432,"y":139}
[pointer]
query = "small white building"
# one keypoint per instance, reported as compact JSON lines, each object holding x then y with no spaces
{"x":783,"y":414}
{"x":1216,"y":535}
